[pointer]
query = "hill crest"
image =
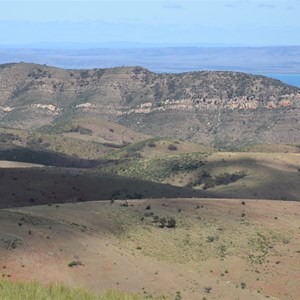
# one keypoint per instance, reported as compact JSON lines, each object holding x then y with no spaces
{"x":200,"y":103}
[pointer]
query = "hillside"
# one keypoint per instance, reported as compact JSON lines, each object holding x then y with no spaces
{"x":26,"y":186}
{"x":221,"y":109}
{"x":219,"y":249}
{"x":249,"y":175}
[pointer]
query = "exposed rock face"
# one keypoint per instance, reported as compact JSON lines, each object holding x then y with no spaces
{"x":217,"y":108}
{"x":50,"y":107}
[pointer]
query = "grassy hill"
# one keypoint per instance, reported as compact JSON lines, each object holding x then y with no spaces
{"x":67,"y":143}
{"x":225,"y":174}
{"x":260,"y":171}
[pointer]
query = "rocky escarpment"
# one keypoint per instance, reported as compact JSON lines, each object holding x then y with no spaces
{"x":226,"y":109}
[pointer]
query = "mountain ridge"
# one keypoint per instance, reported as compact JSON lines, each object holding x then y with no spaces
{"x":217,"y":108}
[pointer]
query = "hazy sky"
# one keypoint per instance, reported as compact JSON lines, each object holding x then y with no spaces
{"x":224,"y":22}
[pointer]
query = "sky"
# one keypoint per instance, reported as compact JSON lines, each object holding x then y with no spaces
{"x":156,"y":23}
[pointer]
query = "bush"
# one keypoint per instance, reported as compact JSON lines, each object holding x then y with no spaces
{"x":211,"y":238}
{"x":172,"y":147}
{"x":148,"y":214}
{"x":243,"y":285}
{"x":203,"y":177}
{"x":209,"y":182}
{"x":171,"y":223}
{"x":151,"y":145}
{"x":162,"y":222}
{"x":227,"y":178}
{"x":155,"y":219}
{"x":178,"y":296}
{"x":207,"y":289}
{"x":81,"y":130}
{"x":74,"y":263}
{"x":9,"y":137}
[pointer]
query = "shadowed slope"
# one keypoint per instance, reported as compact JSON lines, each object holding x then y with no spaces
{"x":23,"y":187}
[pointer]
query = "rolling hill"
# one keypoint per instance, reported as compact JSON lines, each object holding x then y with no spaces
{"x":104,"y":173}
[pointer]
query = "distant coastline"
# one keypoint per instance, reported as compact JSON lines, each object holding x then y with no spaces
{"x":256,"y":60}
{"x":281,"y":62}
{"x":292,"y":79}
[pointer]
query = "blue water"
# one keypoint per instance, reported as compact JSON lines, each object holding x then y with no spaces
{"x":292,"y":79}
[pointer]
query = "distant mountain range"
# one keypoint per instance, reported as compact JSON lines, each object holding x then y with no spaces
{"x":221,"y":109}
{"x":258,"y":60}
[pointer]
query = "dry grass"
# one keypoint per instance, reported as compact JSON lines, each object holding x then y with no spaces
{"x":199,"y":235}
{"x":33,"y":290}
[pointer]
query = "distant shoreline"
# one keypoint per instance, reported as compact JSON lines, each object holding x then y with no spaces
{"x":253,"y":60}
{"x":292,"y":79}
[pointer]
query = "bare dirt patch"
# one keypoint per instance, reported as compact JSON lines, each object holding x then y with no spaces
{"x":15,"y":164}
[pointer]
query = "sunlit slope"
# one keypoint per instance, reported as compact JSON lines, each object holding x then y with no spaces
{"x":224,"y":174}
{"x":213,"y":248}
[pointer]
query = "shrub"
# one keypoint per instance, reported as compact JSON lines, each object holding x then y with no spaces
{"x":171,"y":223}
{"x":81,"y":130}
{"x":155,"y":219}
{"x":221,"y":179}
{"x":148,"y":214}
{"x":151,"y":145}
{"x":178,"y":296}
{"x":227,"y":178}
{"x":207,"y":289}
{"x":75,"y":263}
{"x":162,"y":222}
{"x":209,"y":182}
{"x":243,"y":285}
{"x":172,"y":147}
{"x":211,"y":238}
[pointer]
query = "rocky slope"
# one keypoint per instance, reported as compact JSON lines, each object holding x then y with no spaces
{"x":223,"y":109}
